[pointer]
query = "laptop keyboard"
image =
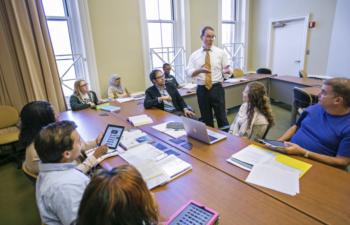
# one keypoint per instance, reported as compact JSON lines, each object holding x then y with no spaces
{"x":211,"y":138}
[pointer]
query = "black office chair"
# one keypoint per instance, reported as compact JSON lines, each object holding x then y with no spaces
{"x":301,"y":100}
{"x":266,"y":131}
{"x":263,"y":71}
{"x":302,"y":74}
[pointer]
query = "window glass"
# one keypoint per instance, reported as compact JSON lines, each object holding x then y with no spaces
{"x":59,"y":35}
{"x":53,"y":7}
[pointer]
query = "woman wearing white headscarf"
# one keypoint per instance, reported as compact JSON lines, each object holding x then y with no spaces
{"x":115,"y":89}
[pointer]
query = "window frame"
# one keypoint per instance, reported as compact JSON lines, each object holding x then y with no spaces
{"x":77,"y":17}
{"x":179,"y":36}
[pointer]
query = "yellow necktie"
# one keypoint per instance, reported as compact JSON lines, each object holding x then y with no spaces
{"x":207,"y":83}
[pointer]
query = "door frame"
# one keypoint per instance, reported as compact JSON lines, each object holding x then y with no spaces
{"x":304,"y":40}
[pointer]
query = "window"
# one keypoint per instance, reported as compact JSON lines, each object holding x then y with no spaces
{"x":228,"y":18}
{"x":69,"y":59}
{"x":230,"y":32}
{"x":164,"y":36}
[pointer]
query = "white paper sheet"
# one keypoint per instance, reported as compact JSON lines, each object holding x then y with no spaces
{"x":127,"y":99}
{"x":275,"y":178}
{"x":171,"y":132}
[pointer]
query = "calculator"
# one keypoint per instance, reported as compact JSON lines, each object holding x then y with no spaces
{"x":194,"y":213}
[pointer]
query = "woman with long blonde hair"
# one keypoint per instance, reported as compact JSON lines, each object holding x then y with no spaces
{"x":82,"y":97}
{"x":118,"y":197}
{"x":255,"y":116}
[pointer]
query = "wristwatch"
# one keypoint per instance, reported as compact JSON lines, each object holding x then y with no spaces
{"x":306,"y":155}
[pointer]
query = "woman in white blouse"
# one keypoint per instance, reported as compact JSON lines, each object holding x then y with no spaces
{"x":254,"y":116}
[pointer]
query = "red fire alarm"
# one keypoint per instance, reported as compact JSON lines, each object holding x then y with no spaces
{"x":312,"y":24}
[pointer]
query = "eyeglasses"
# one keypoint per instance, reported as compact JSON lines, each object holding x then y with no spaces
{"x":83,"y":85}
{"x":162,"y":76}
{"x":210,"y":37}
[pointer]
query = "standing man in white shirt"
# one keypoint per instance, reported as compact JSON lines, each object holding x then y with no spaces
{"x":208,"y":65}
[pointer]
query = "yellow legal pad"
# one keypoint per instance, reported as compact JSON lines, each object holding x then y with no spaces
{"x":288,"y":161}
{"x":297,"y":164}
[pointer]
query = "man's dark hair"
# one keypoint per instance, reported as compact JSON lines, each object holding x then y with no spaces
{"x":153,"y":74}
{"x":341,"y":87}
{"x":165,"y":65}
{"x":204,"y":29}
{"x":53,"y":140}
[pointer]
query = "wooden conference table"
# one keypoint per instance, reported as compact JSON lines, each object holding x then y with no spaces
{"x":279,"y":88}
{"x":324,"y":196}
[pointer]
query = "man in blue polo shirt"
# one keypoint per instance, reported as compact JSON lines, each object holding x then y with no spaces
{"x":322,"y":132}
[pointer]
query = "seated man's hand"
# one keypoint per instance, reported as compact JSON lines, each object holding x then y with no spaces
{"x":98,"y":139}
{"x":166,"y":98}
{"x":188,"y":113}
{"x":294,"y":149}
{"x":226,"y":70}
{"x":100,"y":151}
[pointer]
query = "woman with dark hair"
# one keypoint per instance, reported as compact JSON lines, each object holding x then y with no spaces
{"x":36,"y":115}
{"x":82,"y":97}
{"x":254,"y":116}
{"x":118,"y":197}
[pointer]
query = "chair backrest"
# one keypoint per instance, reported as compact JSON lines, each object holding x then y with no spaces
{"x":9,"y":116}
{"x":302,"y":74}
{"x":302,"y":99}
{"x":32,"y":177}
{"x":266,"y":131}
{"x":238,"y":72}
{"x":263,"y":71}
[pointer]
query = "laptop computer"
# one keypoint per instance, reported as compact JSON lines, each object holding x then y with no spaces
{"x":198,"y":130}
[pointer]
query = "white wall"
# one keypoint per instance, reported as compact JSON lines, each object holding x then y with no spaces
{"x":339,"y":50}
{"x":321,"y":11}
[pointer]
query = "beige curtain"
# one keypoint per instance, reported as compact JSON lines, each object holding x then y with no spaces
{"x":28,"y":68}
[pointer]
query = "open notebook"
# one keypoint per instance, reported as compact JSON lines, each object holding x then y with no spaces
{"x":155,"y":166}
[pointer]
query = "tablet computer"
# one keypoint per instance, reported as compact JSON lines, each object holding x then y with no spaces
{"x":194,"y":213}
{"x":277,"y":145}
{"x":111,"y":136}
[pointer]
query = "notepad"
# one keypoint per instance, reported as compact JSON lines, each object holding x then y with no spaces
{"x":275,"y":178}
{"x":133,"y":138}
{"x":251,"y":155}
{"x":169,"y":131}
{"x":235,"y":80}
{"x":140,"y":120}
{"x":155,"y":166}
{"x":126,"y":99}
{"x":110,"y":108}
{"x":101,"y":105}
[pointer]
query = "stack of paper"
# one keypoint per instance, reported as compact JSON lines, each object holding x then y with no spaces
{"x":189,"y":86}
{"x":110,"y":108}
{"x":270,"y":169}
{"x":250,"y":156}
{"x":155,"y":166}
{"x":133,"y":138}
{"x":322,"y":77}
{"x":273,"y":177}
{"x":140,"y":120}
{"x":138,"y":95}
{"x":171,"y":132}
{"x":126,"y":99}
{"x":235,"y":80}
{"x":110,"y":153}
